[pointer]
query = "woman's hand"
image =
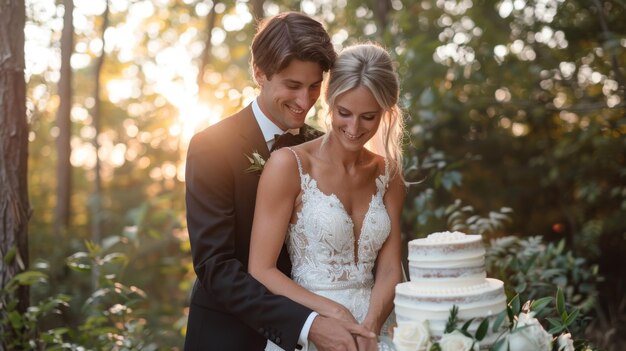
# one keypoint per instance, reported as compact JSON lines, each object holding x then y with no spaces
{"x":337,"y":311}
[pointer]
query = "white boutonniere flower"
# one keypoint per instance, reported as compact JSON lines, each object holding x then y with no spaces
{"x":256,"y":162}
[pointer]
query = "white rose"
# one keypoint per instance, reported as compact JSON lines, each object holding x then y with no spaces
{"x":456,"y":341}
{"x":565,"y":342}
{"x":411,"y":336}
{"x":528,"y":334}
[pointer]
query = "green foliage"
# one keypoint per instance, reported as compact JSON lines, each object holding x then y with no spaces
{"x":533,"y":269}
{"x":112,"y":318}
{"x":21,"y":331}
{"x":526,"y":129}
{"x":452,"y":326}
{"x":463,"y":218}
{"x":548,"y":310}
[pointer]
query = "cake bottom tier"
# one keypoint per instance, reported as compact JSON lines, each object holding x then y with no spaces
{"x":414,"y":303}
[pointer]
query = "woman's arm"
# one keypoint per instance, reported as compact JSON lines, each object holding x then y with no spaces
{"x":388,"y":270}
{"x":278,"y":190}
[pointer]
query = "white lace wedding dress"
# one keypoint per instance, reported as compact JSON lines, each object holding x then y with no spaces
{"x":321,"y":247}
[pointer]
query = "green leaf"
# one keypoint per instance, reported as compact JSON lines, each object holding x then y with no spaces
{"x":452,"y":319}
{"x":572,"y":317}
{"x":528,"y":264}
{"x":482,"y":329}
{"x":79,"y":267}
{"x":16,"y":320}
{"x":94,"y":249}
{"x":549,"y":273}
{"x":498,"y":321}
{"x":467,"y":324}
{"x":556,"y":330}
{"x":30,"y":277}
{"x":564,"y":316}
{"x":111,"y":241}
{"x":115,"y":257}
{"x":555,"y":322}
{"x":539,"y":304}
{"x":77,"y":256}
{"x":498,"y":344}
{"x":515,"y":304}
{"x":450,"y":179}
{"x":560,"y":302}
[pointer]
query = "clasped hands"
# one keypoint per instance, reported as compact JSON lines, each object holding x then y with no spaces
{"x":338,"y":330}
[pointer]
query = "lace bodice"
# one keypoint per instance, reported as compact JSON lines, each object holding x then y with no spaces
{"x":321,"y":243}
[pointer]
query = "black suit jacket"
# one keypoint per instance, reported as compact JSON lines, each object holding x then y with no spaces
{"x":229,"y":309}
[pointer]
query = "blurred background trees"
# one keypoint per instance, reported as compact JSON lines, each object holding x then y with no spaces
{"x":516,"y":115}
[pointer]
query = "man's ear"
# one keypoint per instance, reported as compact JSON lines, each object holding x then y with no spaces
{"x":259,"y":75}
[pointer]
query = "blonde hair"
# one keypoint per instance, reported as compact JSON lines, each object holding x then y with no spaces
{"x":369,"y":65}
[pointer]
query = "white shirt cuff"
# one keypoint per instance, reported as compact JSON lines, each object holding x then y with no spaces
{"x":303,"y":340}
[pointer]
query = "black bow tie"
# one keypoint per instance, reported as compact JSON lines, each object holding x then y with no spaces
{"x":287,"y":139}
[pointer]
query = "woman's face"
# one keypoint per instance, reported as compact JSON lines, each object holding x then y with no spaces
{"x":355,"y":117}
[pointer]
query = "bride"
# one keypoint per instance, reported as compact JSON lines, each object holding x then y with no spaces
{"x":337,"y":204}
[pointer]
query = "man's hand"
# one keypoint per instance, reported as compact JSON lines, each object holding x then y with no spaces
{"x":330,"y":334}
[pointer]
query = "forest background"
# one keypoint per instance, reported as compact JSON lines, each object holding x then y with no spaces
{"x":516,"y":118}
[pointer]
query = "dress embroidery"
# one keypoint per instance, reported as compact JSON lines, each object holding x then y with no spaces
{"x":321,"y":245}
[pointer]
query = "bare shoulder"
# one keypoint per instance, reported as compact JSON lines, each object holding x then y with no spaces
{"x":280,"y":174}
{"x":281,"y":160}
{"x":396,"y":187}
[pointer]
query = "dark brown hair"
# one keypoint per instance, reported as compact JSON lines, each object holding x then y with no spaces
{"x":287,"y":36}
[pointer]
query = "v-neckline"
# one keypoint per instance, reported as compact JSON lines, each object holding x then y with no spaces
{"x":357,"y":242}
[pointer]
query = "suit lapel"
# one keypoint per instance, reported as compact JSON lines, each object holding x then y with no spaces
{"x":251,"y":134}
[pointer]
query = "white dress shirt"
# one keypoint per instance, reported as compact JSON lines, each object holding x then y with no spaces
{"x":268,"y":128}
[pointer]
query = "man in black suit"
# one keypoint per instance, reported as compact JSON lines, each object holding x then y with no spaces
{"x":229,"y":309}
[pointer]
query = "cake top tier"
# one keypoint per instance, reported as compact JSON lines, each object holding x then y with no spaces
{"x":446,"y":238}
{"x":447,"y":246}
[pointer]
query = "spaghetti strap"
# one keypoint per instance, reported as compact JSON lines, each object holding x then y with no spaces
{"x":387,"y":169}
{"x":382,"y":181}
{"x":297,"y":159}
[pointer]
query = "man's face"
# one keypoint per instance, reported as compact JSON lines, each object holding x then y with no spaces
{"x":288,"y":96}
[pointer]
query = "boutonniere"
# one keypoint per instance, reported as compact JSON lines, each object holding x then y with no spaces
{"x":256,"y":162}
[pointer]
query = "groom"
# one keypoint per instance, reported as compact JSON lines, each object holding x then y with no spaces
{"x":229,"y":309}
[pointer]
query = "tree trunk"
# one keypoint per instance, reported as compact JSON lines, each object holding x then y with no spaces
{"x":617,"y":71}
{"x":14,"y":205}
{"x":257,"y":10}
{"x":64,"y":167}
{"x":381,"y":10}
{"x":96,"y":223}
{"x":206,"y":53}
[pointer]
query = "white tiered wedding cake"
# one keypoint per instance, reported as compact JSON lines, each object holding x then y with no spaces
{"x":446,"y":269}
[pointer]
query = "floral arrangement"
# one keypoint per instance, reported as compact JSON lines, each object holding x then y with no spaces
{"x":256,"y":162}
{"x":524,"y":331}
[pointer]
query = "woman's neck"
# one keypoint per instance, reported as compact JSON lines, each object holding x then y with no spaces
{"x":334,"y":152}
